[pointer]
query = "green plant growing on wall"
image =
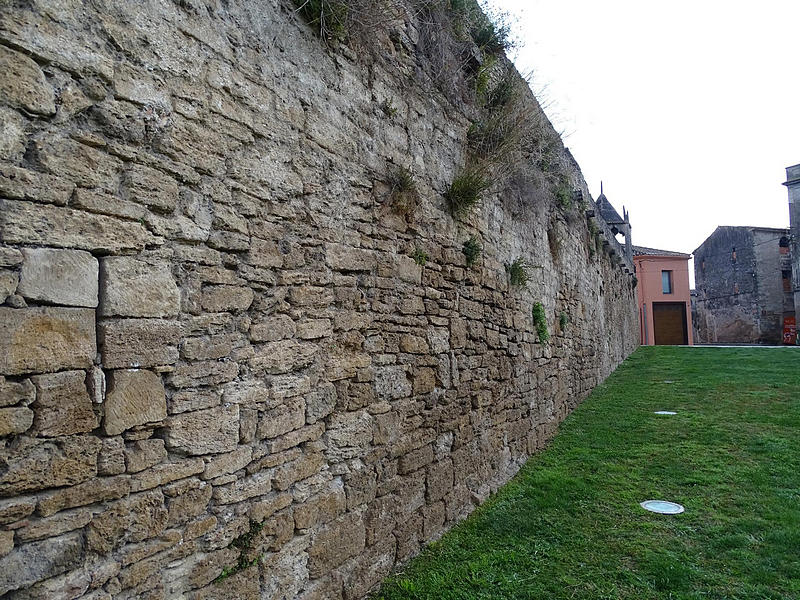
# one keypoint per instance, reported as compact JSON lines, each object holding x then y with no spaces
{"x":483,"y":77}
{"x":564,"y":194}
{"x":504,"y":91}
{"x":244,"y":544}
{"x":472,"y":250}
{"x":403,"y":191}
{"x":327,"y":17}
{"x":466,"y":190}
{"x":563,"y":321}
{"x":420,"y":256}
{"x":540,"y":322}
{"x":517,"y":271}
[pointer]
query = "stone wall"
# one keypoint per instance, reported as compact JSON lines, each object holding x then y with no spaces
{"x":224,"y":375}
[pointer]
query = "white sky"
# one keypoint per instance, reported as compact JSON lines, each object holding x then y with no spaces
{"x":689,"y":111}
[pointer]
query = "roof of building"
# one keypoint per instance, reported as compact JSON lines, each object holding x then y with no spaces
{"x":645,"y":251}
{"x":608,"y":212}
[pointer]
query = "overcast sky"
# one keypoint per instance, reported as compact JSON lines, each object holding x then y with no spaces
{"x":689,"y":111}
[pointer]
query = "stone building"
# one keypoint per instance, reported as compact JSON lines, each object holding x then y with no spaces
{"x":665,"y":305}
{"x":743,"y":280}
{"x":238,"y":359}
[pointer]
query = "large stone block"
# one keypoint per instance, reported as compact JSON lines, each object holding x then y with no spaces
{"x":63,"y":405}
{"x":135,"y":343}
{"x":47,"y":225}
{"x":134,"y":397}
{"x":392,"y":383}
{"x":41,"y":340}
{"x":59,"y":277}
{"x":28,"y":464}
{"x":29,"y":563}
{"x":23,"y":84}
{"x":133,"y":288}
{"x":210,"y":431}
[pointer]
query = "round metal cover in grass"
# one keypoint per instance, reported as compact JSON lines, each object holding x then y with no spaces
{"x":665,"y":412}
{"x":662,"y":507}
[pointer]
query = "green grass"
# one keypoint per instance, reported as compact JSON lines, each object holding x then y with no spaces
{"x":731,"y":456}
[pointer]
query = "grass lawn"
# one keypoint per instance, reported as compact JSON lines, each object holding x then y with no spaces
{"x":570,"y":525}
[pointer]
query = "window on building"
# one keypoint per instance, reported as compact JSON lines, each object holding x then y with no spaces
{"x":787,"y":280}
{"x":783,"y":244}
{"x":666,"y":282}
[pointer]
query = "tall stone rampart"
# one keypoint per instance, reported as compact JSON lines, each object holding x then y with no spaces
{"x":231,"y":367}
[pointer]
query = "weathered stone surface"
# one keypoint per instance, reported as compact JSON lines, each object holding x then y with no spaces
{"x":138,"y":343}
{"x":162,"y":474}
{"x":46,"y":225}
{"x":322,"y":507}
{"x":143,"y":454}
{"x":282,"y":419}
{"x":283,"y":357}
{"x":64,"y":339}
{"x":96,"y":490}
{"x":61,"y":523}
{"x":134,"y":397}
{"x":392,"y":383}
{"x":132,"y":519}
{"x":112,"y":457}
{"x":134,"y":288}
{"x":67,"y":277}
{"x":12,"y":135}
{"x":210,"y":431}
{"x":320,"y":402}
{"x":220,"y":298}
{"x":335,"y":543}
{"x":16,"y":392}
{"x":223,"y":464}
{"x":29,"y":464}
{"x":15,"y":420}
{"x":23,"y":84}
{"x":276,"y":328}
{"x":10,"y":257}
{"x":29,"y":563}
{"x":9,"y":281}
{"x":14,"y":509}
{"x":369,"y":569}
{"x":6,"y":542}
{"x":242,"y":489}
{"x":345,"y":258}
{"x":63,"y":406}
{"x":23,"y":184}
{"x":151,"y":187}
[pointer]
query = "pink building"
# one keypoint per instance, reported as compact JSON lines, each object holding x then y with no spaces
{"x":665,"y":308}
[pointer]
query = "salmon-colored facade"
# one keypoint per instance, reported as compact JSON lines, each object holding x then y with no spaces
{"x":665,"y":308}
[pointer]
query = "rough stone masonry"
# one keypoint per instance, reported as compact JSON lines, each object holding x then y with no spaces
{"x":223,"y":373}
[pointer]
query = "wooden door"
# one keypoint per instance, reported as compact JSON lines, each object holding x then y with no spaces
{"x":669,"y":323}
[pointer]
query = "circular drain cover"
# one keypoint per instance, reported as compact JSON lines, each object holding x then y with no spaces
{"x":665,"y":412}
{"x":662,"y":507}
